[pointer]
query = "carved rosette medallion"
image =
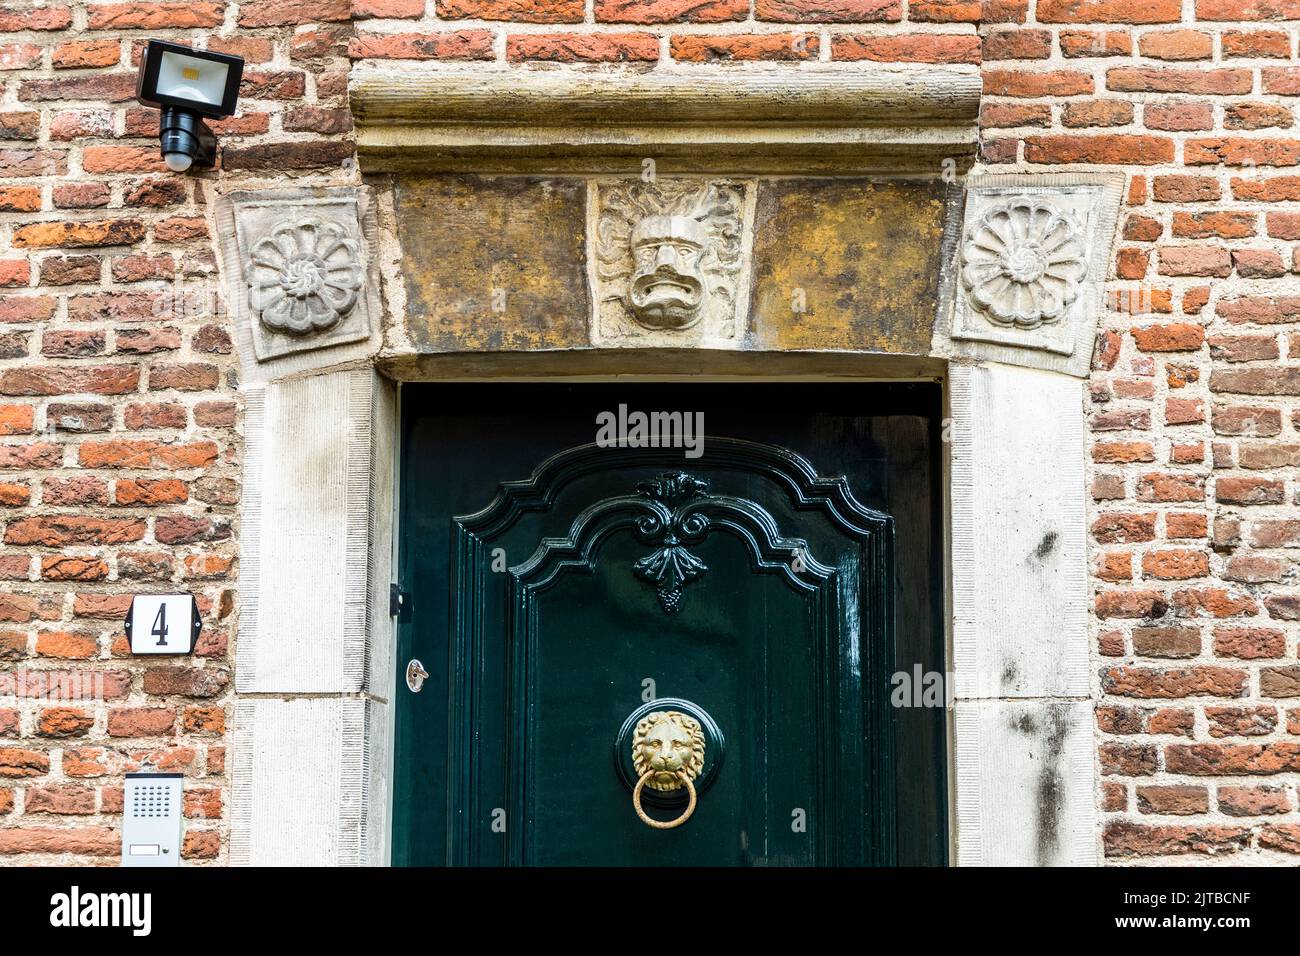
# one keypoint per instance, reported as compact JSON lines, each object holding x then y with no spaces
{"x":669,"y":258}
{"x":1023,"y":262}
{"x":304,"y":276}
{"x":671,"y":566}
{"x":1027,"y":287}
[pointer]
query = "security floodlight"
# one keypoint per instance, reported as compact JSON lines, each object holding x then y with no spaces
{"x":187,"y":84}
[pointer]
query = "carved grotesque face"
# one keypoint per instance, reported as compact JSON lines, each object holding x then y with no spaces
{"x":668,"y":742}
{"x":668,"y":287}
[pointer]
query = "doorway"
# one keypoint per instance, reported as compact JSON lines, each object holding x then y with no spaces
{"x":715,"y":601}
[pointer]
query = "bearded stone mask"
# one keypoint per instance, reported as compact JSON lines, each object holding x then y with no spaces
{"x":667,"y":289}
{"x":669,"y":252}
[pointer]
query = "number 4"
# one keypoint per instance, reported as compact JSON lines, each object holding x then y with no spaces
{"x":160,"y":625}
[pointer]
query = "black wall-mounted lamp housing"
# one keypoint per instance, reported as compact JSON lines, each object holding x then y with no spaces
{"x":186,"y":85}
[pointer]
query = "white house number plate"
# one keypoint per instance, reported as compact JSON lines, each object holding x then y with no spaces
{"x":163,"y":623}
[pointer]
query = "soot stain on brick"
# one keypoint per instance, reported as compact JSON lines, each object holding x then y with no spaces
{"x":1049,"y":787}
{"x":1009,"y":673}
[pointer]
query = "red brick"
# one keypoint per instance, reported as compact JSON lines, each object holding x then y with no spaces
{"x":1181,"y":188}
{"x":1256,"y":43}
{"x":60,"y":380}
{"x":1173,"y":799}
{"x":64,"y":722}
{"x":1258,"y":263}
{"x":109,"y":232}
{"x":828,"y":11}
{"x":1170,"y":487}
{"x":583,"y":47}
{"x":1194,"y":261}
{"x":69,"y":568}
{"x":1177,"y":682}
{"x":186,"y":377}
{"x":13,"y":19}
{"x":1169,"y":80}
{"x":1232,"y":759}
{"x":60,"y":799}
{"x":1097,"y":113}
{"x":56,"y":531}
{"x":66,"y":645}
{"x":1108,"y":11}
{"x":906,"y":48}
{"x":1175,"y":564}
{"x":1257,"y":116}
{"x":1039,"y":84}
{"x":1177,"y":45}
{"x":1081,"y":43}
{"x":1178,"y":117}
{"x":385,"y":10}
{"x":200,"y":845}
{"x":82,"y":841}
{"x":80,"y":54}
{"x":617,"y":11}
{"x":1254,"y":569}
{"x":1175,"y":337}
{"x":185,"y":681}
{"x":1125,"y":839}
{"x":1121,"y":528}
{"x":26,"y":309}
{"x":150,"y":491}
{"x":1171,"y":642}
{"x":41,"y":455}
{"x":145,"y":16}
{"x":1249,"y":643}
{"x":744,"y":46}
{"x":1017,"y":44}
{"x":1248,"y":9}
{"x":1252,"y":801}
{"x":147,"y":415}
{"x":273,"y":13}
{"x":1241,"y":152}
{"x":1130,"y":604}
{"x":1110,"y":149}
{"x":1248,"y":491}
{"x":141,"y":721}
{"x":1127,"y":761}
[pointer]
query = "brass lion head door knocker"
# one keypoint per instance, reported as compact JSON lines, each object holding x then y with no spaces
{"x":674,"y":750}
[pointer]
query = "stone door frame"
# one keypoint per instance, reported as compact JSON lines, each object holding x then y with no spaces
{"x":315,"y":672}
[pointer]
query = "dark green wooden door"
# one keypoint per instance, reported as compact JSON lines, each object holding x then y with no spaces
{"x":768,"y":581}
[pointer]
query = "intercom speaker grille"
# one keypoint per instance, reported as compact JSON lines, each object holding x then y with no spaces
{"x":151,"y":800}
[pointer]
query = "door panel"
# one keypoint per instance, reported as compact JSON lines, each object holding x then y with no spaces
{"x":552,"y":579}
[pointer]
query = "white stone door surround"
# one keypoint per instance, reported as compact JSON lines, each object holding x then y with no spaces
{"x":315,"y":669}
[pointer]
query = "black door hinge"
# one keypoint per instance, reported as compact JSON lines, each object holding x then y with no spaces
{"x":399,"y":603}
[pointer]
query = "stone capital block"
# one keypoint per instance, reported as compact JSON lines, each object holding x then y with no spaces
{"x":1030,"y":269}
{"x":299,"y":279}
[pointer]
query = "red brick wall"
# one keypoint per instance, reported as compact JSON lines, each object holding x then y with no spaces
{"x":119,"y":449}
{"x":1193,"y":413}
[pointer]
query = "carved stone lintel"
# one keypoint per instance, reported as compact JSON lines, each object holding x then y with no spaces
{"x":1031,"y":268}
{"x":670,"y":258}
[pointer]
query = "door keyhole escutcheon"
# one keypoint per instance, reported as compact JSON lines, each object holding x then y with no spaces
{"x":668,"y":752}
{"x":416,"y":675}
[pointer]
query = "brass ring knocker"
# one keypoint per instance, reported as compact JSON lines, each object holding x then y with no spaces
{"x":663,"y":824}
{"x":667,"y":753}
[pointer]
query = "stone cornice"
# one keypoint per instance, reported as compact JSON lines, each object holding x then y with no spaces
{"x":903,"y":119}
